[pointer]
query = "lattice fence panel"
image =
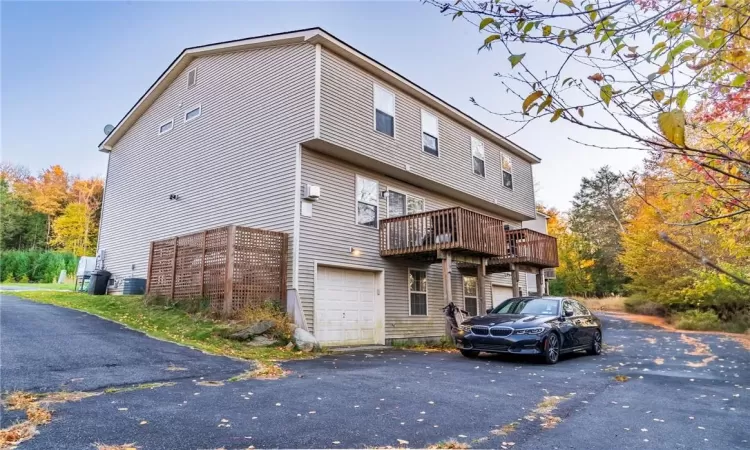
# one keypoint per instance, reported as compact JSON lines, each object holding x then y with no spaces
{"x":196,"y":265}
{"x":161,"y":267}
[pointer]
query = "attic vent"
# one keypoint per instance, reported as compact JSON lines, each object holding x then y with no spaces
{"x":192,"y":78}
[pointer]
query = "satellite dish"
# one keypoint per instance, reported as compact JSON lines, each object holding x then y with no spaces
{"x":108,"y":128}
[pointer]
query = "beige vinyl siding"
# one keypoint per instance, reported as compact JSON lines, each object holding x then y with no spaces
{"x":347,"y":120}
{"x":234,"y":164}
{"x":327,"y":236}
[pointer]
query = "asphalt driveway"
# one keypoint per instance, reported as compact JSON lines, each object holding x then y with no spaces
{"x":680,"y":392}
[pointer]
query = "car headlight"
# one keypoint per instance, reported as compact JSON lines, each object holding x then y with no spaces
{"x":465,"y":328}
{"x":537,"y":330}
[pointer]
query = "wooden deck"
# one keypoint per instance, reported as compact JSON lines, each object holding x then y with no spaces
{"x":456,"y":229}
{"x":528,"y":248}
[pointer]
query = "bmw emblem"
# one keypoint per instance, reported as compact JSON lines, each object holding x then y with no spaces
{"x":492,"y":324}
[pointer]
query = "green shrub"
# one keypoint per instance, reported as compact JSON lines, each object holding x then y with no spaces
{"x":641,"y":305}
{"x":698,"y":320}
{"x":192,"y":305}
{"x":35,"y":266}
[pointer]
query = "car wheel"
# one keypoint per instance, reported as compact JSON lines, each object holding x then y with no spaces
{"x":552,"y":349}
{"x":596,"y":344}
{"x":470,"y":353}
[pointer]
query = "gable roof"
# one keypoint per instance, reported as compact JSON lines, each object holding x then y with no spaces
{"x":312,"y":36}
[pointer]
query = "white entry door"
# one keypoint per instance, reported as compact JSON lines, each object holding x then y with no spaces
{"x":500,"y":294}
{"x":346,"y":310}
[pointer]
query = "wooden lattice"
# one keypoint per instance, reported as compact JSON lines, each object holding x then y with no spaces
{"x":234,"y":267}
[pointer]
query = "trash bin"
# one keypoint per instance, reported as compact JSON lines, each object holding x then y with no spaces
{"x":98,"y":282}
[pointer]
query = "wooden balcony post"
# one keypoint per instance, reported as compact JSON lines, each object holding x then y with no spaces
{"x":229,"y":281}
{"x":514,"y":280}
{"x":540,"y":283}
{"x":447,"y":290}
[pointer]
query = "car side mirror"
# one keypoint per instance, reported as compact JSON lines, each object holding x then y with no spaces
{"x":489,"y":310}
{"x":568,"y":313}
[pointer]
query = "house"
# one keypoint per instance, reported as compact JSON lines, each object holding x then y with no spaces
{"x":395,"y":202}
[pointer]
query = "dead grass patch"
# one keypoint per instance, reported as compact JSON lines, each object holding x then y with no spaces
{"x":703,"y":362}
{"x":100,"y":446}
{"x":549,"y":422}
{"x":64,"y":397}
{"x":549,"y":403}
{"x":262,"y":372}
{"x":450,"y":444}
{"x":16,"y":434}
{"x":621,"y":378}
{"x":209,"y":383}
{"x":137,"y":387}
{"x":38,"y":415}
{"x":505,"y":429}
{"x":699,"y":348}
{"x":19,"y":400}
{"x":616,"y":303}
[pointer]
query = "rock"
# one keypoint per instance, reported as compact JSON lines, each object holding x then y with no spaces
{"x":253,"y":330}
{"x":305,"y":341}
{"x":290,"y":345}
{"x":261,"y":341}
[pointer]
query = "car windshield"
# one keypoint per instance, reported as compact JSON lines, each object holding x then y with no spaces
{"x":536,"y":306}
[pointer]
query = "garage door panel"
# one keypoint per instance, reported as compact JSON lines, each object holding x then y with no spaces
{"x":500,"y":294}
{"x":345,"y":306}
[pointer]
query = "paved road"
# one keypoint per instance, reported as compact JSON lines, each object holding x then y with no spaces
{"x":369,"y":400}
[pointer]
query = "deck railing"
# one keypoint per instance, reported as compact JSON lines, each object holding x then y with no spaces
{"x":455,"y":228}
{"x":531,"y":247}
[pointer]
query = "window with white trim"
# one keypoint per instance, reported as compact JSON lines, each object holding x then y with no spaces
{"x":192,"y":78}
{"x":367,"y":195}
{"x":417,"y":292}
{"x":400,"y":204}
{"x":429,"y":133}
{"x":193,"y":113}
{"x":385,"y":110}
{"x":166,"y":127}
{"x":477,"y":155}
{"x":507,"y":166}
{"x":471,"y":302}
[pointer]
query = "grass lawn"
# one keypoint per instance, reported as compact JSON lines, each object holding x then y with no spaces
{"x":64,"y":286}
{"x":165,"y":323}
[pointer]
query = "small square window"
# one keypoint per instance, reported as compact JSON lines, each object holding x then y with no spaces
{"x":417,"y":292}
{"x":166,"y":127}
{"x":192,"y":78}
{"x":507,"y":166}
{"x":193,"y":113}
{"x":385,"y":110}
{"x":429,"y":133}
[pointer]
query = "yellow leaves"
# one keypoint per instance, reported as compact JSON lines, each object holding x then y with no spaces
{"x":672,"y":126}
{"x":556,"y":115}
{"x":515,"y":59}
{"x":531,"y":99}
{"x":568,"y":3}
{"x":605,"y":93}
{"x":658,"y":95}
{"x":486,"y":21}
{"x":547,"y":101}
{"x":546,"y":30}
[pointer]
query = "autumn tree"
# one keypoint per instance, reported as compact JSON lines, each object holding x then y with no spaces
{"x":632,"y":69}
{"x":573,"y":276}
{"x":47,"y":193}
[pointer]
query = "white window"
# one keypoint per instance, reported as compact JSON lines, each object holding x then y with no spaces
{"x":166,"y":126}
{"x":193,"y":113}
{"x":402,"y":204}
{"x":429,"y":133}
{"x":477,"y":155}
{"x":367,"y":202}
{"x":192,"y":78}
{"x":385,"y":110}
{"x":470,"y":295}
{"x":417,"y":292}
{"x":507,"y":171}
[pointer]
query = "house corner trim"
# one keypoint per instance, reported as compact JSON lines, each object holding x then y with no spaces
{"x":316,"y":126}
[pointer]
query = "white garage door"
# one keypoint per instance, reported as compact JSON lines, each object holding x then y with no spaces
{"x":500,"y":294}
{"x":346,"y":310}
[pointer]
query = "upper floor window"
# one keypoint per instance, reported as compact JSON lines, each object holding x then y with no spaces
{"x":507,"y":171}
{"x":417,"y":292}
{"x":385,"y":110}
{"x":402,"y":204}
{"x":192,"y":78}
{"x":367,"y":202}
{"x":470,"y":295}
{"x":193,"y":113}
{"x":477,"y":155}
{"x":166,"y":126}
{"x":429,"y":133}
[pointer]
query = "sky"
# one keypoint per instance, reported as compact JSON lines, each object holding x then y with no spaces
{"x":69,"y":68}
